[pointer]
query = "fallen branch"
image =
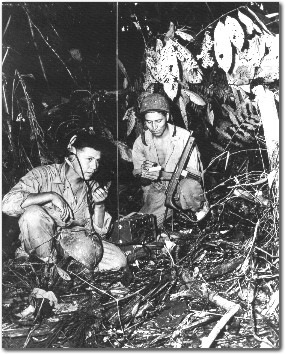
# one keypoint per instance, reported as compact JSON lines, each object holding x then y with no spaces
{"x":24,"y":331}
{"x":229,"y":306}
{"x":224,"y":268}
{"x":207,"y":341}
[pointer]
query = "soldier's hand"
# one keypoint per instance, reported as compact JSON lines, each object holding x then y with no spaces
{"x":100,"y":194}
{"x":153,"y":176}
{"x":147,"y":164}
{"x":62,"y":205}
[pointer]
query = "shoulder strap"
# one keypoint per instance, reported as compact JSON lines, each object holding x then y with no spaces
{"x":175,"y":131}
{"x":143,"y":139}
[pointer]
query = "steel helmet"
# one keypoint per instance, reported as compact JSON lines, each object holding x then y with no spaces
{"x":154,"y":102}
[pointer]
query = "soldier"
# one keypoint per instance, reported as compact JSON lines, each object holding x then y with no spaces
{"x":67,"y":197}
{"x":162,"y":144}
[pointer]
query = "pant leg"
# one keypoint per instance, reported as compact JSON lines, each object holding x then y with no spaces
{"x":113,"y":258}
{"x":155,"y":204}
{"x":37,"y":230}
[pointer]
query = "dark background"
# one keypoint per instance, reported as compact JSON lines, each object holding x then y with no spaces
{"x":91,"y":27}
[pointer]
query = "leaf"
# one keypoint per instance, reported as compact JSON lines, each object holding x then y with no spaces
{"x":185,"y":97}
{"x":28,"y":75}
{"x":191,"y":70}
{"x":125,"y":83}
{"x":244,"y":136}
{"x":272,"y":15}
{"x":63,"y":274}
{"x":169,"y":244}
{"x":222,"y":46}
{"x":248,"y":126}
{"x":259,"y":21}
{"x":171,"y":32}
{"x":247,"y":22}
{"x":168,"y":70}
{"x":265,"y":345}
{"x":210,"y":115}
{"x":137,"y":25}
{"x":235,"y":32}
{"x":193,"y":76}
{"x":123,"y":70}
{"x":207,"y":59}
{"x":241,"y":193}
{"x":159,"y":47}
{"x":223,"y":134}
{"x":194,"y":97}
{"x":185,"y":36}
{"x":218,"y":147}
{"x":139,"y":129}
{"x":42,"y":294}
{"x":26,"y":312}
{"x":151,"y":88}
{"x":183,"y":111}
{"x":108,"y":134}
{"x":118,"y":289}
{"x":152,"y":74}
{"x":141,"y":97}
{"x":231,"y":114}
{"x":271,"y":177}
{"x":269,"y":66}
{"x":64,"y":100}
{"x":148,"y":77}
{"x":125,"y":151}
{"x":76,"y":54}
{"x":247,"y":61}
{"x":245,"y":88}
{"x":130,"y":116}
{"x":257,"y":29}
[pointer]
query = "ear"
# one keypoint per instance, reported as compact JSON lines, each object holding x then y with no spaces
{"x":168,"y":116}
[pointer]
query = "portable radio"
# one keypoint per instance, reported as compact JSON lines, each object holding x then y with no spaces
{"x":135,"y":228}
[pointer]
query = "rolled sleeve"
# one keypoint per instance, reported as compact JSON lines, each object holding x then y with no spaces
{"x":107,"y":217}
{"x":138,"y":156}
{"x":106,"y":225}
{"x":12,"y":201}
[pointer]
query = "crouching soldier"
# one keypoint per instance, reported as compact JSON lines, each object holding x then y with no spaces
{"x":65,"y":197}
{"x":162,"y":145}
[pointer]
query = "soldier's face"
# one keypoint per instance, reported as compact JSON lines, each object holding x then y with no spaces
{"x":156,"y":122}
{"x":89,"y":160}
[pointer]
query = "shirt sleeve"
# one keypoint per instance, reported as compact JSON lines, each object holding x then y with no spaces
{"x":106,"y":225}
{"x":138,"y":156}
{"x":107,"y":217}
{"x":13,"y":200}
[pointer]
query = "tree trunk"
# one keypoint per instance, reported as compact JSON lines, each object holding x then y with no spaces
{"x":270,"y":121}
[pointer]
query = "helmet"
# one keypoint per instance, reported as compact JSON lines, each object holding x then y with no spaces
{"x":154,"y":102}
{"x":83,"y":249}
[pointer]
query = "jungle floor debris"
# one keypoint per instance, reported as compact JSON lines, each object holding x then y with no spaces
{"x":205,"y":288}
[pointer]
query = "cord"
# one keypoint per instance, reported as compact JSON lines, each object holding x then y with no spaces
{"x":89,"y":203}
